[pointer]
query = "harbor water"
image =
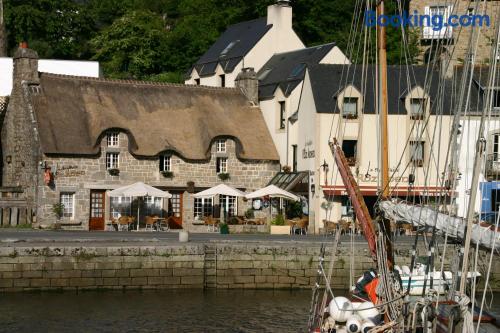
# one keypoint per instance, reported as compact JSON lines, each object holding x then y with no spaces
{"x":158,"y":311}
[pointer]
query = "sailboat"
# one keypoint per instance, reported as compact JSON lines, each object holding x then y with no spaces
{"x":415,"y":298}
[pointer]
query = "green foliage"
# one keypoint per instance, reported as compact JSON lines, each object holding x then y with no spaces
{"x":232,"y":220}
{"x":58,"y":209}
{"x":160,"y":40}
{"x":249,"y":213}
{"x":294,"y":209}
{"x":278,"y":220}
{"x":224,"y":229}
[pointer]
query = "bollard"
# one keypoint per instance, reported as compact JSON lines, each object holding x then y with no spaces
{"x":183,"y":236}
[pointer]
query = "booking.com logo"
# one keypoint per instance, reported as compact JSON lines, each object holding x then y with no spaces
{"x":436,"y":22}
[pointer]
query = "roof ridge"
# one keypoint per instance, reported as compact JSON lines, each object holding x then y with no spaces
{"x":139,"y":82}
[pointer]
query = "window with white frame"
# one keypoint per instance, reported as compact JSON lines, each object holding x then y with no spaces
{"x":350,"y":108}
{"x":221,"y":166}
{"x":113,"y":139}
{"x":229,"y":204}
{"x":282,"y":122}
{"x":221,"y":146}
{"x":417,"y":153}
{"x":153,"y":205}
{"x":496,"y":147}
{"x":417,"y":107}
{"x":203,"y":207}
{"x":68,"y":201}
{"x":429,"y":30}
{"x":120,"y":206}
{"x":165,"y":163}
{"x":112,"y":160}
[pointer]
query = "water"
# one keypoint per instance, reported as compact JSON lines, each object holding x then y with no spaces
{"x":159,"y":311}
{"x":156,"y":311}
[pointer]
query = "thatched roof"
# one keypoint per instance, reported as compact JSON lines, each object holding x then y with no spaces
{"x":73,"y":113}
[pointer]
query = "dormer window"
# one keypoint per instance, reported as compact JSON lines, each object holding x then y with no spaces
{"x":417,"y":108}
{"x":112,"y":161}
{"x":113,"y":138}
{"x":350,"y":108}
{"x":220,"y":146}
{"x":221,"y":165}
{"x":165,"y":163}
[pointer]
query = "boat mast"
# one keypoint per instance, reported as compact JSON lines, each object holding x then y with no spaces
{"x":382,"y":109}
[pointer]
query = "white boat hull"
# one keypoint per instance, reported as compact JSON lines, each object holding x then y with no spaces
{"x":440,"y":283}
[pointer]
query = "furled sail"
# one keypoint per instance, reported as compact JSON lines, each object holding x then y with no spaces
{"x":482,"y":233}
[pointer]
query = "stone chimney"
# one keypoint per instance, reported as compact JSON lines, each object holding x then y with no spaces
{"x":25,"y":66}
{"x":280,"y":15}
{"x":248,"y":83}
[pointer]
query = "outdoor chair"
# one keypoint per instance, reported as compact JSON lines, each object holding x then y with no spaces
{"x":301,"y":225}
{"x":260,"y":221}
{"x":211,"y":223}
{"x":123,"y":222}
{"x":330,"y":227}
{"x":150,"y":223}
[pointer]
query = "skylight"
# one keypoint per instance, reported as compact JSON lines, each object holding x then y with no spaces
{"x":297,"y":70}
{"x":228,"y":48}
{"x":264,"y":74}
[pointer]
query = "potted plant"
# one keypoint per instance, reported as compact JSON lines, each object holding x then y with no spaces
{"x":224,"y":176}
{"x":278,"y":226}
{"x":167,"y":174}
{"x":224,"y":229}
{"x":58,"y":210}
{"x":287,"y":169}
{"x":114,"y":172}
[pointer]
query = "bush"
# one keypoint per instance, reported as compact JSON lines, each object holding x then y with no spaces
{"x":224,"y":229}
{"x":249,"y":214}
{"x":58,"y":210}
{"x":278,"y":220}
{"x":294,"y":209}
{"x":232,"y":220}
{"x":224,"y":176}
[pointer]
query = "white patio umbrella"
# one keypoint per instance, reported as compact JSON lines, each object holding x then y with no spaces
{"x":138,"y":190}
{"x":272,"y":191}
{"x":221,"y":189}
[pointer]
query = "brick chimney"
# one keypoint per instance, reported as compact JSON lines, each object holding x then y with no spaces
{"x":248,"y":83}
{"x":25,"y":65}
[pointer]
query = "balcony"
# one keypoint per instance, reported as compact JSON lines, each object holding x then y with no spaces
{"x":492,"y":165}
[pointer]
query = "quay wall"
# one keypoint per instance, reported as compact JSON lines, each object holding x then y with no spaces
{"x":191,"y":265}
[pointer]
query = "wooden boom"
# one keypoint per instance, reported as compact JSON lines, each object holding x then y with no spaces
{"x":358,"y":202}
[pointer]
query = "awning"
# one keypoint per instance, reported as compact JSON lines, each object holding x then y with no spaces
{"x":221,"y":189}
{"x":288,"y":180}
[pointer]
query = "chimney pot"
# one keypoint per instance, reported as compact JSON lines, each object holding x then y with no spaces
{"x":23,"y":45}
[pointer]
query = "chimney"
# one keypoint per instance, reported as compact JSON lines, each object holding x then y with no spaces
{"x":248,"y":83}
{"x":280,"y":15}
{"x":25,"y":65}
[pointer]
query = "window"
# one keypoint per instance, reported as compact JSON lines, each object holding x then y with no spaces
{"x":68,"y":202}
{"x":495,"y":200}
{"x":222,"y":79}
{"x":417,"y":107}
{"x":228,"y":48}
{"x":297,"y":70}
{"x":264,"y":74}
{"x":350,"y":108}
{"x":165,"y":163}
{"x":197,"y":82}
{"x":282,"y":115}
{"x":221,"y":166}
{"x":417,"y":153}
{"x":228,"y":204}
{"x":112,"y":161}
{"x":113,"y":139}
{"x":496,"y":142}
{"x":496,"y":99}
{"x":429,"y":30}
{"x":220,"y":146}
{"x":153,"y":206}
{"x":203,"y":207}
{"x":120,"y":206}
{"x":349,"y":147}
{"x":294,"y":158}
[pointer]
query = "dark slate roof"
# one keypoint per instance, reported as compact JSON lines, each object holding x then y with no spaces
{"x":329,"y":80}
{"x":72,"y":114}
{"x":243,"y":35}
{"x":278,"y":71}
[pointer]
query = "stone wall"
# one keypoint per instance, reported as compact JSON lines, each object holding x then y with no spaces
{"x":81,"y":174}
{"x":210,"y":265}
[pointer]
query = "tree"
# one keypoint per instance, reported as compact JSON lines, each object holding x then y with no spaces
{"x":134,"y":46}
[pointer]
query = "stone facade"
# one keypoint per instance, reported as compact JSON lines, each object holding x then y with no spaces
{"x":79,"y":175}
{"x":222,"y":266}
{"x":456,"y":48}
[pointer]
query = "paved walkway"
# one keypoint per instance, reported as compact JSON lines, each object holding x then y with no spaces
{"x":10,"y":236}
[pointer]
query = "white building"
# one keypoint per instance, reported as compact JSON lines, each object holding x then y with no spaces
{"x":246,"y":44}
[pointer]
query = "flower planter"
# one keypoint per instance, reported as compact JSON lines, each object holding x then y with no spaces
{"x":167,"y":174}
{"x":114,"y":172}
{"x":224,"y":176}
{"x":280,"y":230}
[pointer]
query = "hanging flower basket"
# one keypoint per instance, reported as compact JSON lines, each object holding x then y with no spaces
{"x":224,"y":176}
{"x":114,"y":172}
{"x":167,"y":174}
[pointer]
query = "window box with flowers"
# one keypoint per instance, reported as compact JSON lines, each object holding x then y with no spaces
{"x":167,"y":174}
{"x":114,"y":172}
{"x":224,"y":176}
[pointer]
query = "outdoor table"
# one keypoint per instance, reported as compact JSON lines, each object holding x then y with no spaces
{"x":157,"y":223}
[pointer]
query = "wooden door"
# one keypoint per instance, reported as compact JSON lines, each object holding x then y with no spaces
{"x":97,"y":209}
{"x":175,"y":211}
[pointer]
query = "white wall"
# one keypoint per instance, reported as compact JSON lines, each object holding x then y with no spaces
{"x":67,"y":67}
